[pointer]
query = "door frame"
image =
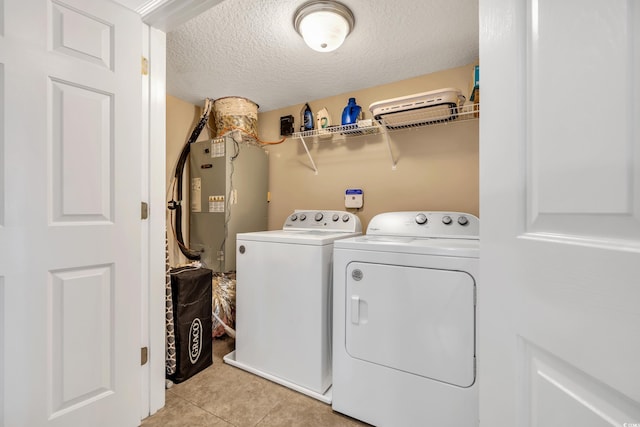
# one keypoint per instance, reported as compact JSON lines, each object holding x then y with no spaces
{"x":158,"y":17}
{"x":153,"y":241}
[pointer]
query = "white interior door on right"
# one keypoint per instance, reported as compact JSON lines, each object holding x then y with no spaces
{"x":559,"y":290}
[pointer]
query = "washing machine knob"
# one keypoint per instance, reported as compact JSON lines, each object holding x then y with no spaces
{"x":293,"y":217}
{"x":446,"y":220}
{"x":421,"y":219}
{"x":345,"y":218}
{"x":303,"y":217}
{"x":335,"y":217}
{"x":463,"y":220}
{"x":319,"y":216}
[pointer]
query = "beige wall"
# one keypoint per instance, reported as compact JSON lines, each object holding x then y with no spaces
{"x":181,"y":119}
{"x":437,"y":166}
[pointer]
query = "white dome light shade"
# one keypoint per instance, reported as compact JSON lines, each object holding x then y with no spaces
{"x":324,"y":31}
{"x":323,"y":24}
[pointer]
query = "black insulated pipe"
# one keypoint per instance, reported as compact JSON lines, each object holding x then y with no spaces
{"x":182,"y":160}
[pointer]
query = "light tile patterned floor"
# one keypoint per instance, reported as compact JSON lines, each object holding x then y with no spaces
{"x":225,"y":396}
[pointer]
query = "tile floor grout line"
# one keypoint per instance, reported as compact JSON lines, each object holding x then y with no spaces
{"x":202,"y":408}
{"x":265,"y":416}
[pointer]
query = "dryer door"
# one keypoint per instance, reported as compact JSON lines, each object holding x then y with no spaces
{"x":416,"y":320}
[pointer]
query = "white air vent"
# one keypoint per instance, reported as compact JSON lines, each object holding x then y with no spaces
{"x":418,"y":109}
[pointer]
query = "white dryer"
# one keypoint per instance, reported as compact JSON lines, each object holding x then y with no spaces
{"x":404,"y":327}
{"x":284,"y":297}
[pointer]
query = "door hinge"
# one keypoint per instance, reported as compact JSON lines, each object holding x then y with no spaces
{"x":144,"y":210}
{"x":144,"y":355}
{"x":144,"y":66}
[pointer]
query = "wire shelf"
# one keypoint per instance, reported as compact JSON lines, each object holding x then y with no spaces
{"x":437,"y":115}
{"x":440,"y":115}
{"x":365,"y":127}
{"x":411,"y":119}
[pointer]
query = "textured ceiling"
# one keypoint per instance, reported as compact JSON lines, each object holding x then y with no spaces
{"x":249,"y":48}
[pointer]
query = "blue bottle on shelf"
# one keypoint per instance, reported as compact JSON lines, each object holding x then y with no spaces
{"x":351,"y":113}
{"x":306,"y":118}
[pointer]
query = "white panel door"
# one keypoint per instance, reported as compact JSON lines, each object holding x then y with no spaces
{"x":559,"y":295}
{"x":70,"y":213}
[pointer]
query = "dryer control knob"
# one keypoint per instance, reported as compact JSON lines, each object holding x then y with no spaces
{"x":303,"y":217}
{"x":345,"y":218}
{"x":335,"y":217}
{"x":293,"y":217}
{"x":446,"y":220}
{"x":463,"y":220}
{"x":319,"y":216}
{"x":421,"y":219}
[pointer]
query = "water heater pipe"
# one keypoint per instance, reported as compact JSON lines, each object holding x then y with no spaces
{"x":182,"y":160}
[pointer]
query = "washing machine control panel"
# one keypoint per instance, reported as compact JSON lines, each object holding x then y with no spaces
{"x":340,"y":221}
{"x":426,"y":224}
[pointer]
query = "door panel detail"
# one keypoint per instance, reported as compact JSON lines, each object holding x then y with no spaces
{"x":81,"y":35}
{"x":82,"y":153}
{"x":417,"y":320}
{"x":563,"y":196}
{"x":2,"y":166}
{"x":552,"y":384}
{"x":81,"y":336}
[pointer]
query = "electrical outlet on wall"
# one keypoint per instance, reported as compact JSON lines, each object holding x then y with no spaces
{"x":353,"y":198}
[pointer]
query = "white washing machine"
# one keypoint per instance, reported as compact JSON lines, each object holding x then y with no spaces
{"x":404,"y":328}
{"x":284,"y":297}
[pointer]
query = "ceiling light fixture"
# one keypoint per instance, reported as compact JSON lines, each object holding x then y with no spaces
{"x":323,"y":24}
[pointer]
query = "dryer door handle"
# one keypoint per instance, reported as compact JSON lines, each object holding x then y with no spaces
{"x":355,"y":309}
